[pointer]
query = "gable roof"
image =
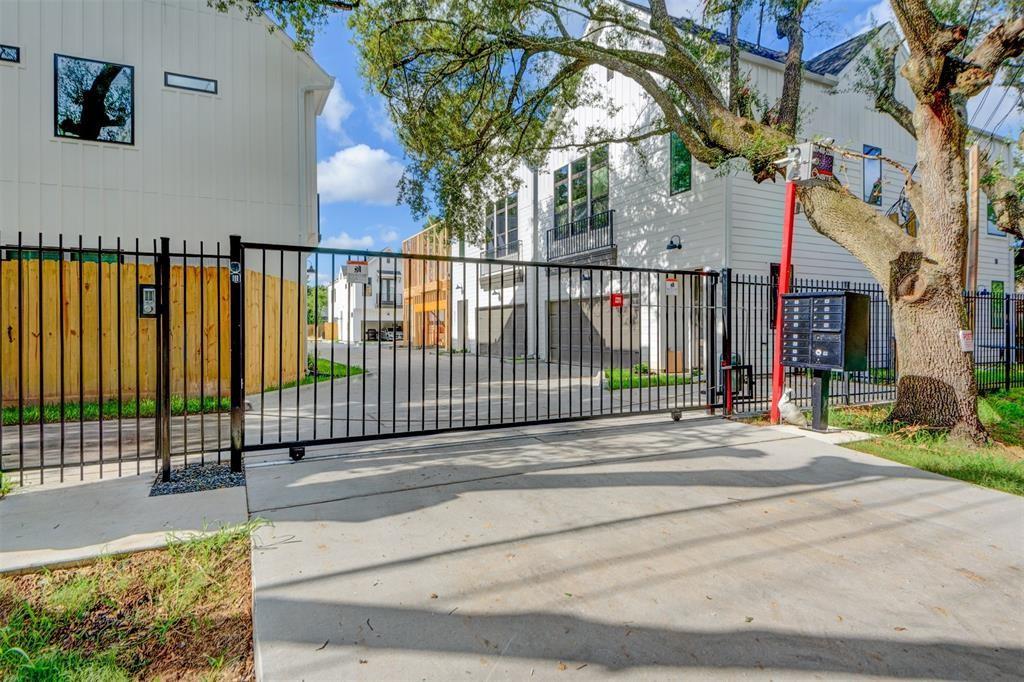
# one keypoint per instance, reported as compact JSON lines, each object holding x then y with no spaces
{"x":829,"y":63}
{"x":832,"y":61}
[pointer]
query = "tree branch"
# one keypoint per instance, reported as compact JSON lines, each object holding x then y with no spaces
{"x":1005,"y":41}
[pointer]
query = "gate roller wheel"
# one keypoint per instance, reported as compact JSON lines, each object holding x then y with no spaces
{"x":296,"y":453}
{"x":677,"y":415}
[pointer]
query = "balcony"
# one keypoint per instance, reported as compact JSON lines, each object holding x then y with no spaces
{"x":502,"y":250}
{"x":593,"y":233}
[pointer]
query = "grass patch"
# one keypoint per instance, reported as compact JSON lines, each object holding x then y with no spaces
{"x":322,"y":370}
{"x":183,"y":612}
{"x":637,"y":377}
{"x":112,"y":409}
{"x":146,"y":407}
{"x":998,"y":465}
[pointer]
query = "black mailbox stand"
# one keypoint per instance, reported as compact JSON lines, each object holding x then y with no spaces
{"x":819,"y":399}
{"x":825,"y":331}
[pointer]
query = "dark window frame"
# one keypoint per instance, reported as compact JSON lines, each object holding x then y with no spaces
{"x":4,"y":52}
{"x":56,"y":129}
{"x":216,"y":84}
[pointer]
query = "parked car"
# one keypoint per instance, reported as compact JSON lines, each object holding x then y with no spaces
{"x":371,"y":335}
{"x":391,"y":334}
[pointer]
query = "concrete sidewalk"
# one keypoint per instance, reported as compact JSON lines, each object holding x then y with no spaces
{"x":59,"y":525}
{"x":649,"y":550}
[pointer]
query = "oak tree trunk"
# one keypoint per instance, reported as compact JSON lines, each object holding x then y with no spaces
{"x":936,"y":378}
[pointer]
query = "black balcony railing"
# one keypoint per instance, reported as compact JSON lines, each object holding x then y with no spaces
{"x":502,"y":250}
{"x":592,"y":233}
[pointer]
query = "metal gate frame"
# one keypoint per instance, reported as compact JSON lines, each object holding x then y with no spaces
{"x":710,"y":326}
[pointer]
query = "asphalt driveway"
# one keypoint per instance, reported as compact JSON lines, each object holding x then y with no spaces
{"x":637,"y":548}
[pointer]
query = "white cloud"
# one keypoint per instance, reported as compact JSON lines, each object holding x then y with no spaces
{"x":691,"y":9}
{"x":875,"y":15}
{"x":359,"y":173}
{"x":336,"y":110}
{"x":390,"y":237}
{"x":347,"y":241}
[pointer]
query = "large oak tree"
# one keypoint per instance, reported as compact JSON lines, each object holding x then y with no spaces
{"x":476,"y":86}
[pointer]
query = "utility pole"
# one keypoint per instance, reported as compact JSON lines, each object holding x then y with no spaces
{"x":970,"y":280}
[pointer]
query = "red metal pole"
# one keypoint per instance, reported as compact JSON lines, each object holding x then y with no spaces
{"x":784,"y":270}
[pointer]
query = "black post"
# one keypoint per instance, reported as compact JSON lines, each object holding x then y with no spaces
{"x":237,"y":353}
{"x":163,"y":370}
{"x":1008,"y":352}
{"x":710,"y":335}
{"x":819,"y":399}
{"x":726,"y":278}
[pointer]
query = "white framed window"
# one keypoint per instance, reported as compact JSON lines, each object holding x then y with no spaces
{"x":10,"y":53}
{"x":194,"y":83}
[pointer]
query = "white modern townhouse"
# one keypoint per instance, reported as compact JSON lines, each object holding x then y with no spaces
{"x":653,"y":206}
{"x":155,"y":118}
{"x":370,"y":310}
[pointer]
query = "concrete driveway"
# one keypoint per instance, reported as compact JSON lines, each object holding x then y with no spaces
{"x":637,"y":548}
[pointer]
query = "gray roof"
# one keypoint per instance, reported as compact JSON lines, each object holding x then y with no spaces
{"x":832,"y":61}
{"x":828,"y":63}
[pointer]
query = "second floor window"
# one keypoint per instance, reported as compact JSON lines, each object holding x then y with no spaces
{"x":993,"y":223}
{"x":680,"y":165}
{"x":872,"y":175}
{"x":502,"y":226}
{"x":387,"y":290}
{"x":581,"y":191}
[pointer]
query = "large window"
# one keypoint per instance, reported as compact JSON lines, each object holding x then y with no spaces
{"x":502,"y":226}
{"x":581,"y":192}
{"x":680,"y":166}
{"x":93,"y":100}
{"x":872,"y":175}
{"x":993,"y":225}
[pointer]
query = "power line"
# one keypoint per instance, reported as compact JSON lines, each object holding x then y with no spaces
{"x":1012,"y":79}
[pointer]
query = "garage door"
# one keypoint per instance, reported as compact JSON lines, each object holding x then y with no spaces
{"x":592,"y":332}
{"x":502,"y":331}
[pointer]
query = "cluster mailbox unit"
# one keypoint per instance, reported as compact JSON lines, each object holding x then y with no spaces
{"x":825,"y":331}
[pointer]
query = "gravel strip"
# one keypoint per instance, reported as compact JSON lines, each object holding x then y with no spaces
{"x":197,"y":477}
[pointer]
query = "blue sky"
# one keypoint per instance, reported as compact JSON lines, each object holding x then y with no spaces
{"x":359,"y":159}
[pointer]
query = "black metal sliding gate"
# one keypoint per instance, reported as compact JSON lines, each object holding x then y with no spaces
{"x":401,"y":344}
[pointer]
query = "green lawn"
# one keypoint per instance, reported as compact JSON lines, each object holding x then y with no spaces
{"x":183,"y":612}
{"x":146,"y":407}
{"x":618,"y":379}
{"x":998,"y":465}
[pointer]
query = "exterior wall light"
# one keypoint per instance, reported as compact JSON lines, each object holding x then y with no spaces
{"x":675,"y":242}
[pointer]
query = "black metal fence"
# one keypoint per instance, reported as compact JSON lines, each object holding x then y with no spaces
{"x":998,"y":324}
{"x":89,"y":388}
{"x":231,"y":360}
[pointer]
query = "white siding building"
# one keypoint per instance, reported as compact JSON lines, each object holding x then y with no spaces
{"x":623,"y":204}
{"x":367,"y":312}
{"x":210,"y":124}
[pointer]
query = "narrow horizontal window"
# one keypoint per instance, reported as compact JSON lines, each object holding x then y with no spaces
{"x":10,"y":53}
{"x":177,"y":80}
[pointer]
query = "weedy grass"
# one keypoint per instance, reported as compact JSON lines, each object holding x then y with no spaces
{"x":635,"y":377}
{"x":998,"y":464}
{"x":183,"y":612}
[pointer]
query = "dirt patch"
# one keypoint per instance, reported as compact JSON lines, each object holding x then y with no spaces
{"x":181,"y":613}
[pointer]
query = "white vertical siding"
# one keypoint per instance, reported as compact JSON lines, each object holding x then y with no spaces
{"x":202,"y":166}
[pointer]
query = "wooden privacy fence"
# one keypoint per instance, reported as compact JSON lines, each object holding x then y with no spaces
{"x":83,"y":326}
